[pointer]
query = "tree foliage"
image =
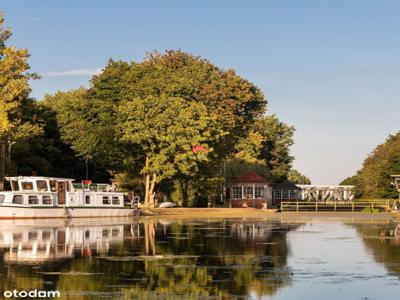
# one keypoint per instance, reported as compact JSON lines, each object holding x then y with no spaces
{"x":298,"y":178}
{"x":14,"y":89}
{"x":373,"y":179}
{"x":166,"y":129}
{"x":135,"y":115}
{"x":265,"y":149}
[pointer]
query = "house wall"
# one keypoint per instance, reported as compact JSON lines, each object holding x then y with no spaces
{"x":264,"y":202}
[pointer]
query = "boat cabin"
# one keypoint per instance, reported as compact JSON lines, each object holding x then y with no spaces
{"x":52,"y":191}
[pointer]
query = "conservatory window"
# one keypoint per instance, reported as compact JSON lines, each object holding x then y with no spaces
{"x":259,"y":192}
{"x":237,"y":192}
{"x":248,"y":192}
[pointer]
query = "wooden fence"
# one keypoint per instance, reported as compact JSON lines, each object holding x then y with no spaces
{"x":381,"y":205}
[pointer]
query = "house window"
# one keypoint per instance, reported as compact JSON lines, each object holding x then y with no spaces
{"x":17,"y":237}
{"x":33,"y":200}
{"x":106,"y":200}
{"x":259,"y":192}
{"x":18,"y":199}
{"x":46,"y":235}
{"x":115,"y":200}
{"x":236,"y":192}
{"x":46,"y":199}
{"x":285,"y":194}
{"x":32,"y":236}
{"x":42,"y":185}
{"x":248,"y":192}
{"x":87,"y":199}
{"x":27,"y":185}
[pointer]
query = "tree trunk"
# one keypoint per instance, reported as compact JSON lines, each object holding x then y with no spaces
{"x":147,"y":184}
{"x":2,"y":164}
{"x":151,"y":190}
{"x":146,"y":191}
{"x":185,"y":193}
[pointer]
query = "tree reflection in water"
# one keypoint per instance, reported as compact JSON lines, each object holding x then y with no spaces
{"x":383,"y":242}
{"x":149,"y":259}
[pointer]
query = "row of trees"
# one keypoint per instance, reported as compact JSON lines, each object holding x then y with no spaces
{"x":373,"y":179}
{"x":173,"y":122}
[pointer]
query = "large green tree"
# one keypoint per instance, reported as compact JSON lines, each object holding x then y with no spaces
{"x":89,"y":119}
{"x":265,"y":149}
{"x":373,"y":179}
{"x":15,"y":105}
{"x":168,"y":130}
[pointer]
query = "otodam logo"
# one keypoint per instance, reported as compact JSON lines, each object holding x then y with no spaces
{"x":31,"y":294}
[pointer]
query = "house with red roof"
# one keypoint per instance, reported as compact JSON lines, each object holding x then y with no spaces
{"x":253,"y":190}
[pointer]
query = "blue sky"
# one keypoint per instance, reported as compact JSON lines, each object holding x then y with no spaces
{"x":330,"y":68}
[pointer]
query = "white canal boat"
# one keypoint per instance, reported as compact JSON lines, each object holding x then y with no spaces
{"x":49,"y":197}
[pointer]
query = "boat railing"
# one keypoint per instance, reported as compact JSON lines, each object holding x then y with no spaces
{"x":95,"y":187}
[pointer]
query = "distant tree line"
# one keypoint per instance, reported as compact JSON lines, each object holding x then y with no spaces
{"x":173,"y":123}
{"x":373,"y":179}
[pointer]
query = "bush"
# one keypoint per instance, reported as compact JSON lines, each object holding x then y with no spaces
{"x":370,"y":210}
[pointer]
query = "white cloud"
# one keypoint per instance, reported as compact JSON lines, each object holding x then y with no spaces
{"x":75,"y":72}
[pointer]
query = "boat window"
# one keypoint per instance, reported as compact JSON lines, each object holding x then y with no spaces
{"x":53,"y":185}
{"x":115,"y":200}
{"x":27,"y":185}
{"x":2,"y":198}
{"x":46,"y":199}
{"x":14,"y":185}
{"x":18,"y":199}
{"x":106,"y":200}
{"x":33,"y":199}
{"x":42,"y":185}
{"x":87,"y":199}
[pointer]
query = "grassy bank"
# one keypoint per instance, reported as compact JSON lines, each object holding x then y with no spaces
{"x":195,"y":213}
{"x":207,"y":212}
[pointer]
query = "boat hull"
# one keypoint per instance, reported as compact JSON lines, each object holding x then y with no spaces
{"x":14,"y":212}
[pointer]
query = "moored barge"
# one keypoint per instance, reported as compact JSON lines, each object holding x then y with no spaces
{"x":51,"y":197}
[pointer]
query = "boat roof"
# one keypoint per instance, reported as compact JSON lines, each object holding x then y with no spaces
{"x":38,"y":177}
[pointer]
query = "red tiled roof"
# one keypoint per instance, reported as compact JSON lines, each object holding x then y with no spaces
{"x":250,"y":177}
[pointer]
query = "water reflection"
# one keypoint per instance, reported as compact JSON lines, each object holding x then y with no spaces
{"x":383,"y":242}
{"x":202,"y":259}
{"x":147,"y":259}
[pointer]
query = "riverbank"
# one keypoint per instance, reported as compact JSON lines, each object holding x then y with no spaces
{"x":227,"y":213}
{"x":208,"y":212}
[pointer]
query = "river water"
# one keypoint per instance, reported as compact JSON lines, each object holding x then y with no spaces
{"x":202,"y":259}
